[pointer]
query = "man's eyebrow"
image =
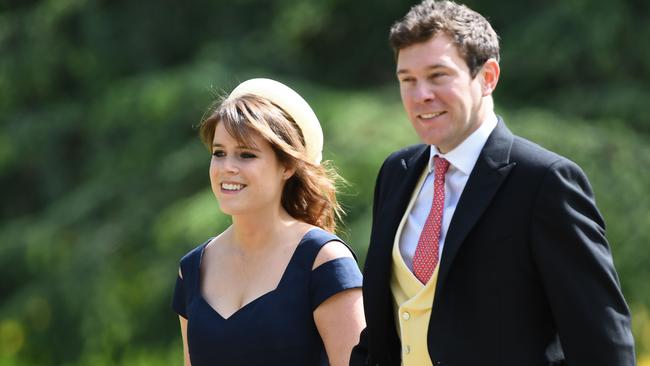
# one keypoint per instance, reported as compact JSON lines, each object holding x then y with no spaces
{"x":431,"y":67}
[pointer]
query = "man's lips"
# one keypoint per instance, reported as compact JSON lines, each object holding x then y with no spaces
{"x":428,"y":116}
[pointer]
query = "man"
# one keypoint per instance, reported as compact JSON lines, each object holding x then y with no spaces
{"x":486,"y":249}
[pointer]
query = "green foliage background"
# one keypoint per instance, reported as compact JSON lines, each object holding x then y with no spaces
{"x":104,"y":182}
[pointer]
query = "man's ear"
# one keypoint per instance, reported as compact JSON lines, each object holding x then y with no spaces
{"x":489,"y":76}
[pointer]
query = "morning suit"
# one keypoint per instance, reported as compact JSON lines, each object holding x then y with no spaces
{"x":526,"y":275}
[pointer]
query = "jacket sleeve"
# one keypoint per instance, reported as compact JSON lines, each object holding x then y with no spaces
{"x":577,"y":271}
{"x":361,"y":353}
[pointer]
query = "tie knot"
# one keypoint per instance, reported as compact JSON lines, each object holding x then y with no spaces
{"x":441,"y":165}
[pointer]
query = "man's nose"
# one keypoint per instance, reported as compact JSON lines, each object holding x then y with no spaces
{"x":423,"y":93}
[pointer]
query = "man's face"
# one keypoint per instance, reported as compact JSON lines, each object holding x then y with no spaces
{"x":442,"y":100}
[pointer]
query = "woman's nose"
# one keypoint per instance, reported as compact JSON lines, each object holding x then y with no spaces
{"x":226,"y":164}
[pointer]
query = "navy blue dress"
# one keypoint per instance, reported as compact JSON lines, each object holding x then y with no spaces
{"x":278,"y":327}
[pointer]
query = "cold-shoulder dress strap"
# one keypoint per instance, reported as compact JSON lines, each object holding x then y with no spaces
{"x":333,"y":276}
{"x":188,"y":286}
{"x":315,"y":239}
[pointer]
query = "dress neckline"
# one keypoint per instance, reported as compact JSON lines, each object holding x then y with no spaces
{"x":262,"y":296}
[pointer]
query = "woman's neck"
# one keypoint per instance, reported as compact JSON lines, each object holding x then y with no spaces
{"x":256,"y":231}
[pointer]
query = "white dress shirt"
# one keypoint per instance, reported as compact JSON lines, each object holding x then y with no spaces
{"x":461,"y":162}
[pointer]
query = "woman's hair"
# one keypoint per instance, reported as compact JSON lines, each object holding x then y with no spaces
{"x":309,"y":194}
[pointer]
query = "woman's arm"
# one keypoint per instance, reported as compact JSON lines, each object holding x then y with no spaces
{"x":340,"y":318}
{"x":186,"y":353}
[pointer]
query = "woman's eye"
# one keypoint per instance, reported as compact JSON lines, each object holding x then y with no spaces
{"x":218,"y":153}
{"x":248,"y":155}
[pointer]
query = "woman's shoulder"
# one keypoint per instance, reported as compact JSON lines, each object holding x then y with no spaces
{"x":327,"y":246}
{"x":332,"y":250}
{"x":333,"y":270}
{"x":196,"y":251}
{"x":192,"y":259}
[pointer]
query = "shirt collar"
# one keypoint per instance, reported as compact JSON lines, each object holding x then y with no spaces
{"x":463,"y":157}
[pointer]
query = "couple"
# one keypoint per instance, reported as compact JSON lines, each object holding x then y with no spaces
{"x":485,"y":248}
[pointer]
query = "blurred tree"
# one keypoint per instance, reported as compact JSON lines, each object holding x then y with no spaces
{"x":104,"y":182}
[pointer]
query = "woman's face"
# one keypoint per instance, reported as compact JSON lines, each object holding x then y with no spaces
{"x":245,"y":179}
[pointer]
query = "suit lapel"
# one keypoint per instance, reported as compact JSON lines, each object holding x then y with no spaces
{"x":413,"y":167}
{"x":491,"y":169}
{"x":397,"y":199}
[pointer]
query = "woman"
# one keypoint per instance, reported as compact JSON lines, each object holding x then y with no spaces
{"x":276,"y":287}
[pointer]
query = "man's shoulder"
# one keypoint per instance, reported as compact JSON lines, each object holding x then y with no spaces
{"x":528,"y":153}
{"x":406,"y":153}
{"x":401,"y":160}
{"x":524,"y":147}
{"x":521,"y":149}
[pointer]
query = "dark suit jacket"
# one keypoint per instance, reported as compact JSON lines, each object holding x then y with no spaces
{"x":526,"y":276}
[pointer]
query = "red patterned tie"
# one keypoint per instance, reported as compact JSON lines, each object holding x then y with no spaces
{"x":426,"y":254}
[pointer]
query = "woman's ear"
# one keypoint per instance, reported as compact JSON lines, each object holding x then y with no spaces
{"x":288,"y":173}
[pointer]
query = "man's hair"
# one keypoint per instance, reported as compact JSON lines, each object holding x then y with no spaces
{"x":472,"y":34}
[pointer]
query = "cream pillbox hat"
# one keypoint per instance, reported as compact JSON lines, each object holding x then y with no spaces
{"x":294,"y":105}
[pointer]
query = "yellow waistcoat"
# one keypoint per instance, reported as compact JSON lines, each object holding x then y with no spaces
{"x":412,"y":299}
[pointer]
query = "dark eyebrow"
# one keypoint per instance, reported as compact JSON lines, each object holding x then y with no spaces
{"x":241,"y":147}
{"x":432,"y":67}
